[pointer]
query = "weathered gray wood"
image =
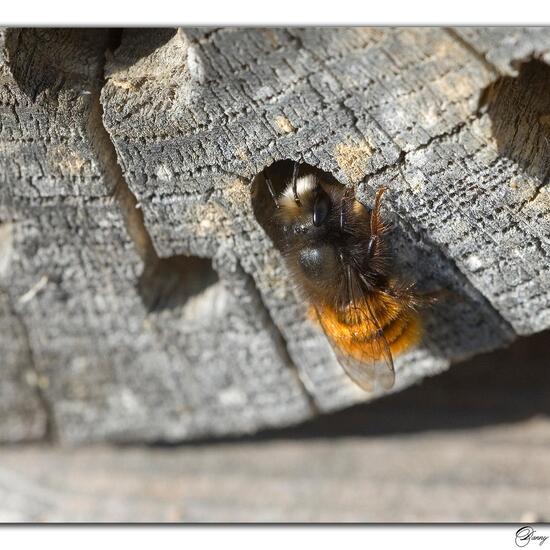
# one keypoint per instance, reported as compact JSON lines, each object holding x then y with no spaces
{"x":441,"y":477}
{"x":105,"y":367}
{"x":117,"y":177}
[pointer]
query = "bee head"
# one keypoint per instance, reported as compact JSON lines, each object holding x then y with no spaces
{"x":309,"y":211}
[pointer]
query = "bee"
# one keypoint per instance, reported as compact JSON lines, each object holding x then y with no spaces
{"x":337,"y":252}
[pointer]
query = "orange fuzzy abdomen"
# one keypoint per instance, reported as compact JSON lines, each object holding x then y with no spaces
{"x":356,"y":334}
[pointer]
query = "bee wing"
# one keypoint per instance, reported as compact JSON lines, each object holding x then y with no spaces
{"x":370,"y":365}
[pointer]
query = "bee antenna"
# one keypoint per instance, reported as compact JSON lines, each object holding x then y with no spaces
{"x":342,"y":204}
{"x":271,"y":190}
{"x":295,"y":183}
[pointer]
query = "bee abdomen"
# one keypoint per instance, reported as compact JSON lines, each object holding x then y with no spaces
{"x":401,"y":331}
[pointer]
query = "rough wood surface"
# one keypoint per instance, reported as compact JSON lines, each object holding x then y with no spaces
{"x":118,"y":176}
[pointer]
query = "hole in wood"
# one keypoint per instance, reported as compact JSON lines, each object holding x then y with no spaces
{"x":45,"y":61}
{"x":519,"y":109}
{"x":170,"y":282}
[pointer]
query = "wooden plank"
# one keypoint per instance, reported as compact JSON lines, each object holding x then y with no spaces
{"x":127,"y":185}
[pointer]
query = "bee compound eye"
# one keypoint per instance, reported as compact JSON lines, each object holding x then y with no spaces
{"x":321,"y":208}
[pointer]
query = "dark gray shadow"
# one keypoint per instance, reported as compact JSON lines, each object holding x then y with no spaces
{"x":505,"y":386}
{"x":168,"y":283}
{"x":502,"y":387}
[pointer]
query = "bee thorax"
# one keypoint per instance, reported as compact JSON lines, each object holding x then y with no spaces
{"x":317,"y":262}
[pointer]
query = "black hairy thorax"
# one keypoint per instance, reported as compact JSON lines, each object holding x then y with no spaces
{"x":327,"y":240}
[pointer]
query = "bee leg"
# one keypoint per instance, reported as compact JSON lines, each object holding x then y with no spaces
{"x":372,"y":244}
{"x":435,"y":296}
{"x":345,"y":196}
{"x":376,"y":227}
{"x":271,"y":190}
{"x":407,"y":295}
{"x":295,"y":183}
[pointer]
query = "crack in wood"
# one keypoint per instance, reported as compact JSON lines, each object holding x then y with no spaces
{"x":50,"y":430}
{"x":165,"y":280}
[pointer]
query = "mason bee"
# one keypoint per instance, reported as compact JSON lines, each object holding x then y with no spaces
{"x":337,"y":251}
